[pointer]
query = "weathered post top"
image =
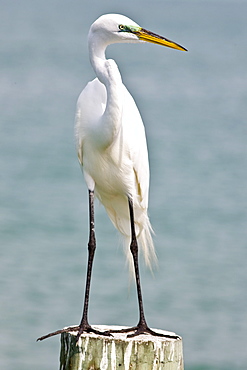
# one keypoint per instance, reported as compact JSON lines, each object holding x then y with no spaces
{"x":143,"y":352}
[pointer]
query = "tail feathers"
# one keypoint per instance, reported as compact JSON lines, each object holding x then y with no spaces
{"x":146,"y":247}
{"x":120,"y":219}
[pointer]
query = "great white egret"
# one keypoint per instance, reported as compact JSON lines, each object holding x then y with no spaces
{"x":112,"y":151}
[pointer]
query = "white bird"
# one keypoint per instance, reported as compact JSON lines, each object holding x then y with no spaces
{"x":112,"y":151}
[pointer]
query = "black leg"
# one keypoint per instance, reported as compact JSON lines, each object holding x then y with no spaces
{"x":134,"y":250}
{"x":142,"y":327}
{"x":84,"y":325}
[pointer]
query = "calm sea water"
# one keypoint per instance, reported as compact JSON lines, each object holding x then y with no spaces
{"x":194,"y":108}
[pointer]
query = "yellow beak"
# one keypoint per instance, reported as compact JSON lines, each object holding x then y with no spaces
{"x":149,"y":36}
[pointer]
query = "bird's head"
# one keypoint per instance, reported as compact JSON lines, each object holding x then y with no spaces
{"x":116,"y":28}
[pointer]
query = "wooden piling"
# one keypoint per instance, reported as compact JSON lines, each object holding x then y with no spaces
{"x":143,"y":352}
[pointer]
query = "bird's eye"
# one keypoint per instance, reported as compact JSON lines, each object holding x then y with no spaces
{"x":121,"y":27}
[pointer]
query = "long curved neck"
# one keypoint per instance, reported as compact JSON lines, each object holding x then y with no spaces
{"x":108,"y":74}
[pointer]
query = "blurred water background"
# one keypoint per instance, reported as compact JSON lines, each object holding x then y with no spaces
{"x":194,"y":108}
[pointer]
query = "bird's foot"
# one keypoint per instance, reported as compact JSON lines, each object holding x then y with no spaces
{"x":142,"y":328}
{"x":65,"y":330}
{"x":86,"y":328}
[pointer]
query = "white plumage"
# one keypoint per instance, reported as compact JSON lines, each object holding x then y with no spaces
{"x":111,"y":142}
